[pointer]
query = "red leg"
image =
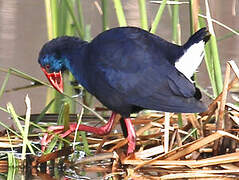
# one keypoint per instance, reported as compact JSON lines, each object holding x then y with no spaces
{"x":96,"y":130}
{"x":131,"y":135}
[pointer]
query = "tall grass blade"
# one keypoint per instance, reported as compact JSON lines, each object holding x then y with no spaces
{"x":51,"y":145}
{"x":77,"y":127}
{"x":66,"y":118}
{"x":120,"y":13}
{"x":11,"y":174}
{"x":143,"y":14}
{"x":41,"y":115}
{"x":4,"y":84}
{"x":15,"y":117}
{"x":12,"y":161}
{"x":80,"y":16}
{"x":14,"y":132}
{"x":189,"y":134}
{"x":55,"y":18}
{"x":23,"y":75}
{"x":76,"y":23}
{"x":63,"y":18}
{"x":175,"y":24}
{"x":214,"y":50}
{"x":63,"y":119}
{"x":69,"y":90}
{"x":191,"y":15}
{"x":85,"y":142}
{"x":88,"y":33}
{"x":54,"y":142}
{"x":26,"y":128}
{"x":209,"y":61}
{"x":9,"y":129}
{"x":19,"y":126}
{"x":180,"y":120}
{"x":158,"y":16}
{"x":49,"y":19}
{"x":65,"y":114}
{"x":104,"y":5}
{"x":216,"y":64}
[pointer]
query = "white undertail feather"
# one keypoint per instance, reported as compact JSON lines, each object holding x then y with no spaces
{"x":188,"y":63}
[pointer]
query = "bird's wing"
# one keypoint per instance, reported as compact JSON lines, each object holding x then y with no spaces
{"x":131,"y":57}
{"x":139,"y":69}
{"x":155,"y":87}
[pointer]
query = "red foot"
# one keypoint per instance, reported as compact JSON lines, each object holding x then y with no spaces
{"x":59,"y":129}
{"x":131,"y":136}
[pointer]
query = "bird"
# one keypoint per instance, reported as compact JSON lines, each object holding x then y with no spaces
{"x":128,"y":69}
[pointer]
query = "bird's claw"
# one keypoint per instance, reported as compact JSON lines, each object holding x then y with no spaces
{"x":47,"y":138}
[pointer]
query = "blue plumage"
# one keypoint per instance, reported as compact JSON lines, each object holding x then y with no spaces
{"x":129,"y":69}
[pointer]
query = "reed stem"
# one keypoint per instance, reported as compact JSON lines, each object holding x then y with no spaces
{"x":158,"y":17}
{"x":120,"y":13}
{"x":143,"y":14}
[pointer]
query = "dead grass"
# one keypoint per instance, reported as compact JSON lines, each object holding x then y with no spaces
{"x":205,"y":147}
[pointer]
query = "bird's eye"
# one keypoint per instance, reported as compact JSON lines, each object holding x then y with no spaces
{"x":47,"y":67}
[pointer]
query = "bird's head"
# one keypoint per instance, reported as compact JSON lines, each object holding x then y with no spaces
{"x":53,"y":60}
{"x":53,"y":68}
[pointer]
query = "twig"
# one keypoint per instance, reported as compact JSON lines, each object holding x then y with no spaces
{"x":223,"y":99}
{"x":219,"y":125}
{"x":234,"y":68}
{"x":188,"y":148}
{"x":213,"y":105}
{"x":77,"y":127}
{"x":51,"y":156}
{"x":221,"y":24}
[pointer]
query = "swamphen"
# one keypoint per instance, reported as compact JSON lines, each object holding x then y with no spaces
{"x":128,"y":69}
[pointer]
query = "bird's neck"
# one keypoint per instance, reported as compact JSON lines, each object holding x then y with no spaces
{"x":76,"y":59}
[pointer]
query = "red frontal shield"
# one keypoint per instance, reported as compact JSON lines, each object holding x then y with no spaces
{"x":55,"y":80}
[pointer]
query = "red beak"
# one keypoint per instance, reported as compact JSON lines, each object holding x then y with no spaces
{"x":55,"y":79}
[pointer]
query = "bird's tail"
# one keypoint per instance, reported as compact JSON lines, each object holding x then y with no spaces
{"x":193,"y":53}
{"x":201,"y":34}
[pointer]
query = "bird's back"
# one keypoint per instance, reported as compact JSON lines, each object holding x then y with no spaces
{"x":129,"y":68}
{"x":131,"y":39}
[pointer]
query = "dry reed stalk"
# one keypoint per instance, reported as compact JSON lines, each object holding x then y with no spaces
{"x":195,"y":12}
{"x":220,"y":122}
{"x":217,"y":160}
{"x":213,"y":105}
{"x":125,"y":141}
{"x":166,"y":131}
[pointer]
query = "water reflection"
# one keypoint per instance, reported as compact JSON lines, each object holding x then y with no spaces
{"x":8,"y":10}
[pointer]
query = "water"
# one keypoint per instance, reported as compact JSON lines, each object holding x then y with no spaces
{"x":22,"y":33}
